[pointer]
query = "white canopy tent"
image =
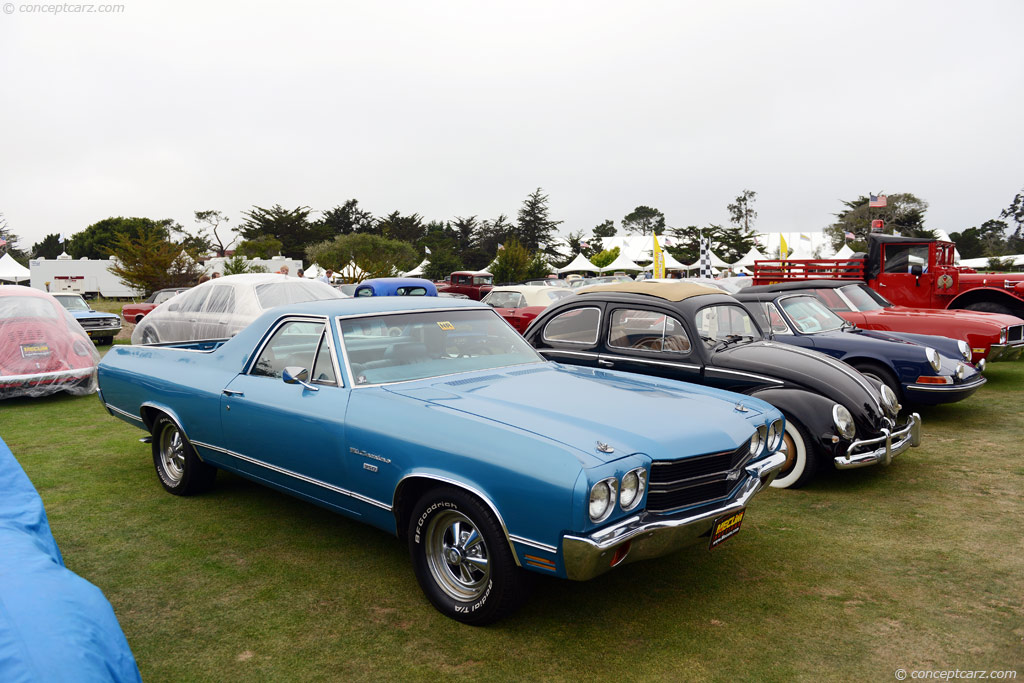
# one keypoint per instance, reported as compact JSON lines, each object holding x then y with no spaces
{"x":621,"y":263}
{"x":580,"y":263}
{"x":844,"y":252}
{"x":750,"y":258}
{"x":671,"y":263}
{"x":12,"y":271}
{"x":418,"y":270}
{"x":352,"y":272}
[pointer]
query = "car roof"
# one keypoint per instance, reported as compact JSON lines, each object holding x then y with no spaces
{"x":379,"y":304}
{"x":802,"y":284}
{"x":670,"y":291}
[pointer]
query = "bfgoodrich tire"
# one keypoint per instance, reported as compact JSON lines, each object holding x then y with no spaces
{"x":462,"y":559}
{"x":801,"y":460}
{"x":178,"y":467}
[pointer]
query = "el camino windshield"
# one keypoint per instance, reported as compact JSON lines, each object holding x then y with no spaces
{"x":73,"y":303}
{"x":396,"y":348}
{"x":810,"y":315}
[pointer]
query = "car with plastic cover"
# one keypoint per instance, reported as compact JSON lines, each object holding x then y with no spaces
{"x":431,"y":419}
{"x":135,"y":312}
{"x":834,"y":415}
{"x":911,"y":365}
{"x":221,"y":307}
{"x":43,"y":349}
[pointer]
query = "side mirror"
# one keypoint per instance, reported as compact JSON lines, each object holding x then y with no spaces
{"x":916,"y":271}
{"x":297,"y":375}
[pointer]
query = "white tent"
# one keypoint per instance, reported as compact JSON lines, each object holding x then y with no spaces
{"x":844,"y":252}
{"x":670,"y":263}
{"x":12,"y":271}
{"x":621,"y":263}
{"x":353,"y":272}
{"x":580,"y":263}
{"x":750,"y":258}
{"x":418,"y":270}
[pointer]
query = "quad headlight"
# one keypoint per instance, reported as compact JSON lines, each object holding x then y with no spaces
{"x":965,"y":349}
{"x":634,"y":483}
{"x":1003,"y":335}
{"x":602,"y":499}
{"x":933,"y":358}
{"x":890,"y":403}
{"x":757,"y":440}
{"x":775,"y":436}
{"x":844,"y":420}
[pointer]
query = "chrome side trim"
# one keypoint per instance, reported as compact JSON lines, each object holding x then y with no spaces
{"x":648,"y":361}
{"x":476,"y":492}
{"x":294,"y":475}
{"x":534,"y":544}
{"x":123,"y":413}
{"x":947,"y":387}
{"x":584,"y":354}
{"x":712,"y":368}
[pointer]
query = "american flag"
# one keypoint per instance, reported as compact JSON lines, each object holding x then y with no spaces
{"x":3,"y":242}
{"x":850,"y":236}
{"x":877,"y":201}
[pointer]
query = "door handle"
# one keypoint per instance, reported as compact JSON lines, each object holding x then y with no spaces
{"x":230,"y":392}
{"x":605,"y":363}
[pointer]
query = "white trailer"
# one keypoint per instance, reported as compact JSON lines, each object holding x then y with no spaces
{"x":84,"y":276}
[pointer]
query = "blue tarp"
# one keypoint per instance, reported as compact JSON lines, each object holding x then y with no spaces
{"x":54,"y":625}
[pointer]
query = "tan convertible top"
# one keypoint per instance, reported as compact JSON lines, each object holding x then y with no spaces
{"x":670,"y":291}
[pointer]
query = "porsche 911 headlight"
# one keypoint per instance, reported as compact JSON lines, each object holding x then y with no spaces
{"x":965,"y":349}
{"x":844,"y":421}
{"x":634,"y":483}
{"x":602,"y":499}
{"x":933,"y":358}
{"x":775,"y":436}
{"x":757,"y":440}
{"x":890,"y":403}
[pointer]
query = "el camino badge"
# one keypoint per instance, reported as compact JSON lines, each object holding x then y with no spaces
{"x":725,"y":528}
{"x":372,"y":456}
{"x":34,"y":350}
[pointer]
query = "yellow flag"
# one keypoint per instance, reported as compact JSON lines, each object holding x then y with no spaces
{"x":659,"y":258}
{"x":784,"y":249}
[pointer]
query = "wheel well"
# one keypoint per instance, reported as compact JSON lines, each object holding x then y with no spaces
{"x":410,"y":489}
{"x":975,"y":296}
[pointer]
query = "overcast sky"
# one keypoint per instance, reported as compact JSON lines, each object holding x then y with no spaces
{"x":463,"y":108}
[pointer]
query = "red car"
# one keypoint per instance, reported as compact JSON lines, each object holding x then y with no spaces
{"x":992,"y":336}
{"x":43,"y":349}
{"x":475,"y":285}
{"x":133,"y":313}
{"x":520,"y":304}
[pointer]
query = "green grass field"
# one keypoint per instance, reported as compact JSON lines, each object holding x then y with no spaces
{"x":915,"y":566}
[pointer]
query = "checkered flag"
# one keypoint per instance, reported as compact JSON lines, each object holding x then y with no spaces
{"x":705,"y":258}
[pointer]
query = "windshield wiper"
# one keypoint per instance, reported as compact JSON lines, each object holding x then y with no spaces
{"x":730,"y":340}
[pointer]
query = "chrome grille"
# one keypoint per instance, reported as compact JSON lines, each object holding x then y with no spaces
{"x":694,"y":481}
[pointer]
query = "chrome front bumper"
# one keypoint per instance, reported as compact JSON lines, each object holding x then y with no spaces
{"x":892,"y":444}
{"x":1005,"y":352}
{"x":649,"y":535}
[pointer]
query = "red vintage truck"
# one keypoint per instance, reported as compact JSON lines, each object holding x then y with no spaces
{"x":909,"y":271}
{"x":475,"y":285}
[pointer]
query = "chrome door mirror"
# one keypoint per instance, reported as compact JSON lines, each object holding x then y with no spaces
{"x":297,"y":375}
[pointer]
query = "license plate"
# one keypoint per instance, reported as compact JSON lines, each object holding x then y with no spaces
{"x":34,"y":350}
{"x":725,"y":528}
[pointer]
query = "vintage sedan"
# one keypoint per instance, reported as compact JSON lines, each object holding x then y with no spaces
{"x":431,"y":419}
{"x":915,"y":369}
{"x":991,"y":336}
{"x":43,"y":349}
{"x":520,"y":304}
{"x":699,"y":334}
{"x":101,"y":327}
{"x":135,"y":312}
{"x":222,"y":307}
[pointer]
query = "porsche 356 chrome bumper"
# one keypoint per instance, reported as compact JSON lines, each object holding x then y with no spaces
{"x":651,"y":535}
{"x":883,"y":448}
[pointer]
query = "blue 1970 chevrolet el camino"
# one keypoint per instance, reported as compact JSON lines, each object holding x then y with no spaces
{"x":434,"y":420}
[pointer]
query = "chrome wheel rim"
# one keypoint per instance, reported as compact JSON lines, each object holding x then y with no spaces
{"x":457,"y":556}
{"x":172,"y":454}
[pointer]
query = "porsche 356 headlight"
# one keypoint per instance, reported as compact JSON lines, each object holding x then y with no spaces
{"x":775,"y":436}
{"x":602,"y":499}
{"x":890,"y":403}
{"x":934,"y":359}
{"x":843,"y":421}
{"x":965,"y":349}
{"x":634,"y":483}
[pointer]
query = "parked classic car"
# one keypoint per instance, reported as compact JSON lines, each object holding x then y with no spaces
{"x":101,"y":327}
{"x":699,"y":334}
{"x":43,"y":349}
{"x":520,"y":304}
{"x":991,"y":336}
{"x":395,"y":286}
{"x":916,"y":372}
{"x":135,"y":312}
{"x":475,"y":285}
{"x":222,"y":307}
{"x":433,"y":420}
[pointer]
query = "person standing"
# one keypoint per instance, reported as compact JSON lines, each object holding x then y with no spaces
{"x":284,"y":270}
{"x":326,"y":277}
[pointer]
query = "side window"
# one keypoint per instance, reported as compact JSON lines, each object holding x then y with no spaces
{"x":775,"y":319}
{"x":831,"y":298}
{"x":578,"y":326}
{"x":295,"y":343}
{"x":221,"y":299}
{"x":323,"y":367}
{"x":900,"y":257}
{"x":193,"y":302}
{"x":647,"y":331}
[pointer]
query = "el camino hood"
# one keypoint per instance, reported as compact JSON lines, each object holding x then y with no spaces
{"x":809,"y":369}
{"x":579,"y":407}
